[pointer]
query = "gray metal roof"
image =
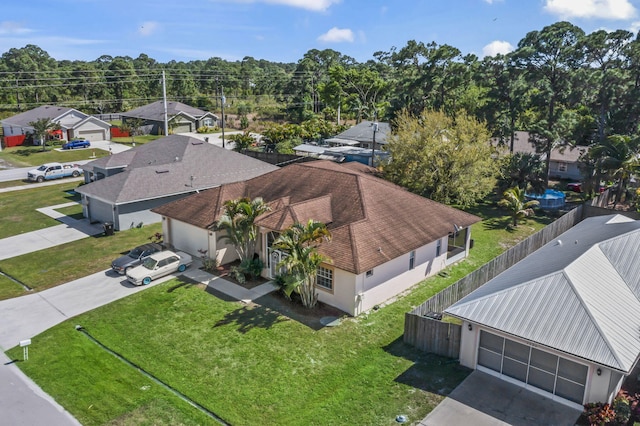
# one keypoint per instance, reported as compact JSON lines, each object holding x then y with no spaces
{"x":579,"y":294}
{"x":363,"y":132}
{"x":172,"y":165}
{"x":155,"y":111}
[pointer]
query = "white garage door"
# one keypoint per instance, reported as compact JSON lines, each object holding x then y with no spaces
{"x":188,"y":238}
{"x":92,"y":135}
{"x":551,"y":373}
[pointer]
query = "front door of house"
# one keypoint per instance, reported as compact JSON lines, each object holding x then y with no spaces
{"x":275,"y":256}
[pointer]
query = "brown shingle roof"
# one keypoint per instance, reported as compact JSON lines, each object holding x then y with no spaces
{"x":371,"y":220}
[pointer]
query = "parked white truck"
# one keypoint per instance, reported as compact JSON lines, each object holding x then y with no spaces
{"x":53,"y":171}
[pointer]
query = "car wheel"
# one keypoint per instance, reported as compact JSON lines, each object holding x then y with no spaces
{"x":40,"y":179}
{"x":146,"y":281}
{"x":75,"y":174}
{"x":182,"y":268}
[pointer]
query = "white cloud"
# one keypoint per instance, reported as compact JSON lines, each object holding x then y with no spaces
{"x":603,"y":9}
{"x":12,"y":28}
{"x":147,"y":28}
{"x":337,"y":35}
{"x":497,"y":47}
{"x":313,"y":5}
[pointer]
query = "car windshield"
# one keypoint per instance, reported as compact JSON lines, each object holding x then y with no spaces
{"x":135,"y":253}
{"x":149,"y":263}
{"x":42,"y":168}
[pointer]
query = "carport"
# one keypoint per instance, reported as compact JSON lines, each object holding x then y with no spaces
{"x":485,"y":400}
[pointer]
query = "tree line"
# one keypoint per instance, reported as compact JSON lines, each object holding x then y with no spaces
{"x":564,"y":86}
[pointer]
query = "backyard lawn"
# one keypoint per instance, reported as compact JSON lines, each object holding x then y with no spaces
{"x":251,"y":364}
{"x":25,"y":156}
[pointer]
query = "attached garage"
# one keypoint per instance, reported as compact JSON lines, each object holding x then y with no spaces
{"x":550,"y":373}
{"x":183,"y":127}
{"x":92,"y":135}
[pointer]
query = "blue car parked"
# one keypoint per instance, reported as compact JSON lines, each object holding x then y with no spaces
{"x":81,"y":143}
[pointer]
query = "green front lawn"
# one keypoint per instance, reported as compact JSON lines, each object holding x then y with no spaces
{"x":25,"y":156}
{"x":138,"y":140}
{"x":250,"y":364}
{"x":18,"y":208}
{"x":60,"y":264}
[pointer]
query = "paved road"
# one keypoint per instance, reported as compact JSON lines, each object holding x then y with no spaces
{"x":21,"y":172}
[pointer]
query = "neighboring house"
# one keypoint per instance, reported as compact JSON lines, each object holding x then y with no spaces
{"x":73,"y":123}
{"x":384,"y":238}
{"x":362,"y":135}
{"x":563,"y":164}
{"x":565,"y":320}
{"x":340,"y":154}
{"x":182,"y":118}
{"x":122,"y":188}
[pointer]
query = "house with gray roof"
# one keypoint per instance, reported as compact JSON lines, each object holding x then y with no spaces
{"x":564,"y":163}
{"x":122,"y":188}
{"x":182,"y":117}
{"x":565,"y":320}
{"x":73,"y":123}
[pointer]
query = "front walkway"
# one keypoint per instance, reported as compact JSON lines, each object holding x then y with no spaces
{"x":226,"y":287}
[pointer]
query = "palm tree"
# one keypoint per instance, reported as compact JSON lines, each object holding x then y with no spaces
{"x":300,"y":243}
{"x":617,"y":156}
{"x":41,"y":127}
{"x":238,"y":222}
{"x":514,"y":201}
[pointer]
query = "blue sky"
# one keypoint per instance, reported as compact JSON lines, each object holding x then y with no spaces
{"x":284,"y":30}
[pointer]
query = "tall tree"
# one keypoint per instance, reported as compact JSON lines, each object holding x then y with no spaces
{"x":300,"y":242}
{"x":618,"y":158}
{"x":549,"y":57}
{"x":446,"y":159}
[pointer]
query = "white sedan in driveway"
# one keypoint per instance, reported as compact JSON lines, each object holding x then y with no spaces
{"x":158,"y":265}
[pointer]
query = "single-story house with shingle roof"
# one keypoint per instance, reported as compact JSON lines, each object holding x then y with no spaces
{"x":182,"y":118}
{"x":122,"y":188}
{"x":73,"y":123}
{"x":384,"y":239}
{"x":565,"y":320}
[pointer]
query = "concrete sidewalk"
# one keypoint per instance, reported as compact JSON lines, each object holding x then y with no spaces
{"x":230,"y":289}
{"x":70,"y":230}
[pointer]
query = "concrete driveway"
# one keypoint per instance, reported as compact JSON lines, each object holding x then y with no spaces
{"x":485,"y":400}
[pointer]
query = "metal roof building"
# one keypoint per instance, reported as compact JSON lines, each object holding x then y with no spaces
{"x":578,"y":297}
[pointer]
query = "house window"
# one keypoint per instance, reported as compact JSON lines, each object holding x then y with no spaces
{"x":369,"y":273}
{"x":562,"y":167}
{"x":438,"y":248}
{"x":325,"y":278}
{"x":412,"y":259}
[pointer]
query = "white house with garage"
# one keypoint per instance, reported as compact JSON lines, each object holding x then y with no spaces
{"x":384,"y":238}
{"x":74,"y":124}
{"x":564,"y":321}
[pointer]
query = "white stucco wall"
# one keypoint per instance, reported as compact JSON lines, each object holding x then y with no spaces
{"x":185,"y":237}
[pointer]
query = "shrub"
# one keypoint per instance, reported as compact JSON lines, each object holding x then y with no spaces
{"x":208,"y":129}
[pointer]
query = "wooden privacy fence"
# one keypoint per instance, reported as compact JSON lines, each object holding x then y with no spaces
{"x":422,"y":326}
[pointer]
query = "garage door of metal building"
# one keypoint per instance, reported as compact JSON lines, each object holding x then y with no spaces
{"x":92,"y":135}
{"x":551,"y":373}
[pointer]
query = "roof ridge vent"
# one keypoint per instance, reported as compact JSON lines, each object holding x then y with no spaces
{"x":162,"y":171}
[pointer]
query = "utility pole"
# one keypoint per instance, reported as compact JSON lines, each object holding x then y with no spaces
{"x":373,"y":145}
{"x":222,"y":99}
{"x":164,"y":100}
